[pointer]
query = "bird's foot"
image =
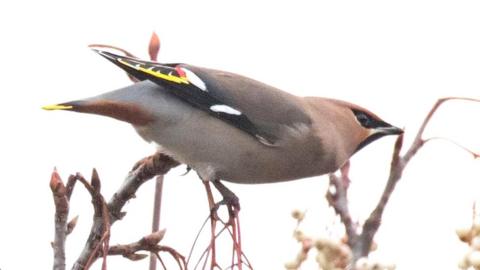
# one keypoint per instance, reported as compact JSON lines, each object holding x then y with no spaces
{"x":232,"y":204}
{"x":156,"y":164}
{"x":230,"y":200}
{"x":148,"y":160}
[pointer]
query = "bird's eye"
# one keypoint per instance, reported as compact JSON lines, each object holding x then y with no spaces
{"x":363,"y":118}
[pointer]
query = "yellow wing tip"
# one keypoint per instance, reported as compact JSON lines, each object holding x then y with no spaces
{"x":57,"y":107}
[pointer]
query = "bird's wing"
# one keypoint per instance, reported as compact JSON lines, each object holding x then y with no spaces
{"x":257,"y":109}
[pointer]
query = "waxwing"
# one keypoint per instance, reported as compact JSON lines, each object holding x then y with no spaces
{"x":230,"y":127}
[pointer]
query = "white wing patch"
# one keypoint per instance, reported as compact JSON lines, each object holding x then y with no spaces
{"x":224,"y":109}
{"x":194,"y":79}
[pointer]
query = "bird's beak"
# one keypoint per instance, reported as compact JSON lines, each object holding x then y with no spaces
{"x":389,"y":130}
{"x":379,"y":132}
{"x":53,"y":107}
{"x":76,"y":106}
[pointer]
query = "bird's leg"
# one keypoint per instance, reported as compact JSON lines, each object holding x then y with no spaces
{"x":228,"y":198}
{"x":155,"y":160}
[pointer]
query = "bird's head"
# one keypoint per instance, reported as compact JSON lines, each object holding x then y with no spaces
{"x":352,"y":127}
{"x":128,"y":104}
{"x":361,"y":125}
{"x":373,"y":127}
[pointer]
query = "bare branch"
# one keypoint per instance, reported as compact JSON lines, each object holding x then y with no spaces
{"x":100,"y":217}
{"x":61,"y":214}
{"x":112,"y":47}
{"x":148,"y":243}
{"x":474,"y":154}
{"x":398,"y":164}
{"x":213,"y":225}
{"x":158,"y":164}
{"x":196,"y":239}
{"x":144,"y":170}
{"x":153,"y":50}
{"x":157,"y":206}
{"x":418,"y":141}
{"x":337,"y":198}
{"x":361,"y":243}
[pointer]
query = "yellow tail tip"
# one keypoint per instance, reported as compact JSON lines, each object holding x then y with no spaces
{"x":57,"y":107}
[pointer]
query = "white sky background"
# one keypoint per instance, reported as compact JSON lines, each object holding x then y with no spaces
{"x":395,"y":58}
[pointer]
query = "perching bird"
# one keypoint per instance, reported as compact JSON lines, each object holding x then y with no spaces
{"x":230,"y":127}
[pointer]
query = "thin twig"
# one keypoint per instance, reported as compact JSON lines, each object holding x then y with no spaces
{"x":157,"y":206}
{"x":474,"y":154}
{"x":112,"y":47}
{"x":153,"y":50}
{"x":148,"y":243}
{"x":233,"y":222}
{"x":143,"y":171}
{"x":247,"y":262}
{"x":213,"y":224}
{"x":176,"y":255}
{"x":196,"y":238}
{"x":418,"y":141}
{"x":160,"y":260}
{"x":133,"y":79}
{"x":207,"y":251}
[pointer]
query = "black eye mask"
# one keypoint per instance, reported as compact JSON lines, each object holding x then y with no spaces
{"x":367,"y":121}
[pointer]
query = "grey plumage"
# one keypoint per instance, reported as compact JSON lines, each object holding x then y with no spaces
{"x":307,"y":136}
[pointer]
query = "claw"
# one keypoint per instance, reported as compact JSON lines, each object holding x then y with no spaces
{"x":229,"y":199}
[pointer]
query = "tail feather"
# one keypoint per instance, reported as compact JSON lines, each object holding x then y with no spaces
{"x":186,"y":85}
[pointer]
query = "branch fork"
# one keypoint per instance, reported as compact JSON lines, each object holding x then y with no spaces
{"x":360,"y":239}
